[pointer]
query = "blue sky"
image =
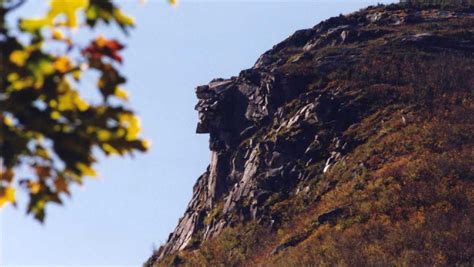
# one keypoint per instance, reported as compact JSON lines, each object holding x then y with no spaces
{"x":117,"y":219}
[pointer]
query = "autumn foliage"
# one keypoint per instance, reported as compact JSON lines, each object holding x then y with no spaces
{"x":48,"y":129}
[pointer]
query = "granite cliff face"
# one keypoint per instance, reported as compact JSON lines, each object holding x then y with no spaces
{"x":326,"y":123}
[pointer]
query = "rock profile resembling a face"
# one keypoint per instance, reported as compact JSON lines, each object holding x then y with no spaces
{"x":322,"y":132}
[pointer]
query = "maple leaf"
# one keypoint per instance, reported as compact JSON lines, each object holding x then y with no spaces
{"x":104,"y":47}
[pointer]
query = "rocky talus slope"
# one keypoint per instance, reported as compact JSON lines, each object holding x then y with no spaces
{"x":350,"y":143}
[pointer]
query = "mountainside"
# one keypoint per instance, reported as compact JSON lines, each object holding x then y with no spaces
{"x":350,"y":143}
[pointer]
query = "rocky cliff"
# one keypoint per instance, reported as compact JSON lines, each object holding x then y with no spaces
{"x":348,"y":143}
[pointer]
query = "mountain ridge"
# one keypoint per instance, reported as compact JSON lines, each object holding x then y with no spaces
{"x":322,"y":137}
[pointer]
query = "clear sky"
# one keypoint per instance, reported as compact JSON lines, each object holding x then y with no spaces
{"x":137,"y":202}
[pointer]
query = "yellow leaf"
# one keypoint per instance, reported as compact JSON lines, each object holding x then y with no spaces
{"x":67,"y":128}
{"x":110,"y":149}
{"x":86,"y":170}
{"x":13,"y":77}
{"x":66,"y":102}
{"x":122,"y":18}
{"x":45,"y":67}
{"x":68,"y":8}
{"x":146,"y":144}
{"x":132,"y":123}
{"x":62,"y":64}
{"x":101,"y":41}
{"x":32,"y":25}
{"x":92,"y":12}
{"x":103,"y":135}
{"x":55,"y":115}
{"x":34,"y":187}
{"x":121,"y":132}
{"x":18,"y":83}
{"x":8,"y":121}
{"x":53,"y":103}
{"x":7,"y":195}
{"x":38,"y":82}
{"x":43,"y":153}
{"x":120,"y":93}
{"x":76,"y":74}
{"x":80,"y":103}
{"x":70,"y":99}
{"x":57,"y":35}
{"x":64,"y":86}
{"x":19,"y":57}
{"x":173,"y":2}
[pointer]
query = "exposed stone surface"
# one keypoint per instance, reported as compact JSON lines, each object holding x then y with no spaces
{"x":281,"y":123}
